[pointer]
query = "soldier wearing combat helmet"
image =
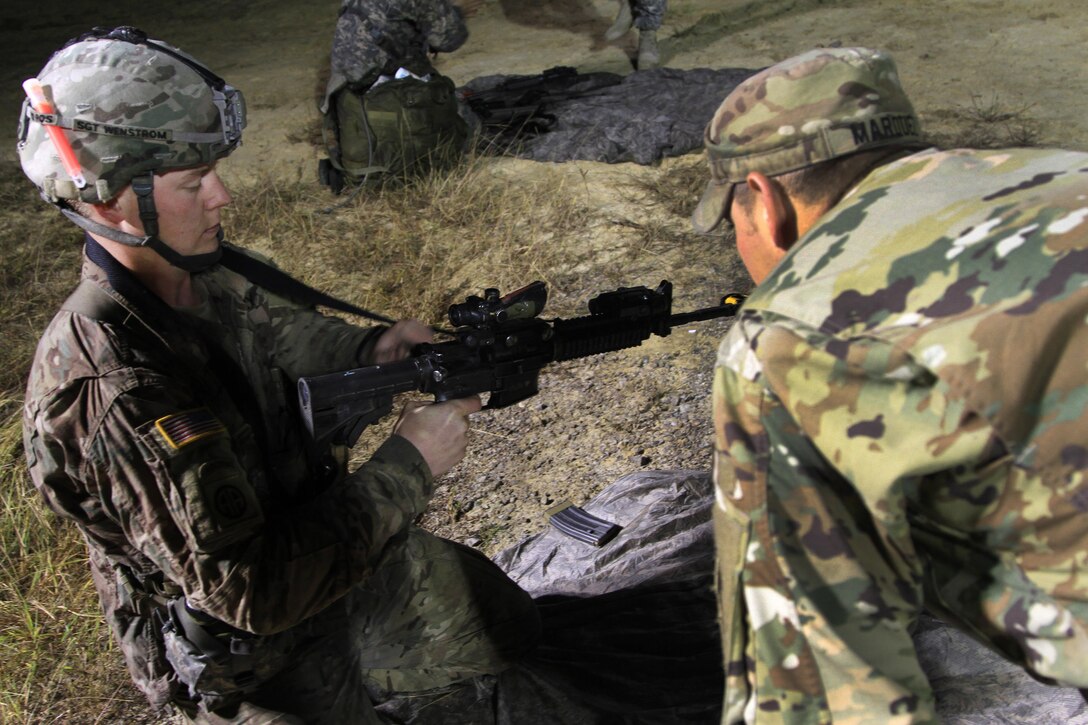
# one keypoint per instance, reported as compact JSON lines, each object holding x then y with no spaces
{"x":246,"y":575}
{"x":899,"y":410}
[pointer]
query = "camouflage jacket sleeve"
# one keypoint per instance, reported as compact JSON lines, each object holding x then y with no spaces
{"x":308,"y":342}
{"x":302,"y":340}
{"x":810,"y":445}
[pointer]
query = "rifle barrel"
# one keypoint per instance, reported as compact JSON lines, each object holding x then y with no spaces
{"x":726,"y":309}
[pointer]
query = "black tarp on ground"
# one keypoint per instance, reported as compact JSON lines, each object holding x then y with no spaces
{"x":644,"y":117}
{"x":631,"y":638}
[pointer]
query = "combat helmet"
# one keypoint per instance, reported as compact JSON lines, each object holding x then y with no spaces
{"x":126,"y":106}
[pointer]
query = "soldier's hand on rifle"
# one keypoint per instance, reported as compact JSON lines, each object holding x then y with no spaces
{"x":438,"y":430}
{"x":397,"y":342}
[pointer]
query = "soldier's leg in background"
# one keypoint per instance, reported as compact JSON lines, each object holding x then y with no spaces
{"x":648,"y":15}
{"x":437,"y":612}
{"x":622,"y":23}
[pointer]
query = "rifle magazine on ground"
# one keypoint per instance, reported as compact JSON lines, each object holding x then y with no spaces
{"x":579,"y":524}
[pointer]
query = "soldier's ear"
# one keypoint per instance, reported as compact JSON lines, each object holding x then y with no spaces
{"x":779,"y":217}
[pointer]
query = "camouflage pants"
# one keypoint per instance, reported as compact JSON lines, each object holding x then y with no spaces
{"x":818,"y":594}
{"x":435,"y":613}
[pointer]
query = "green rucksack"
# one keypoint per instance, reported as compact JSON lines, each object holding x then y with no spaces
{"x":399,"y":128}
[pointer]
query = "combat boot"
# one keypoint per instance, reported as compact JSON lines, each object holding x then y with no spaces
{"x":648,"y":56}
{"x":622,"y":24}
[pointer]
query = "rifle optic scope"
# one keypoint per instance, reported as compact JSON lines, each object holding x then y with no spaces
{"x":492,"y":309}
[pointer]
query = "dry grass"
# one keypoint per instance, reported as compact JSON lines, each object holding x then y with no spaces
{"x":668,"y":194}
{"x":39,"y":265}
{"x":411,"y":250}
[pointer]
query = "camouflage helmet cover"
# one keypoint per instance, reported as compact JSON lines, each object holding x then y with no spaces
{"x":816,"y":106}
{"x":128,"y":105}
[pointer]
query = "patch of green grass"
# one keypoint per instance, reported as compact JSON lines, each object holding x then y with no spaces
{"x":488,"y":534}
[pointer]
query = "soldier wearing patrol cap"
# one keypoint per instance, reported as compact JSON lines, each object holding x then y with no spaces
{"x":900,"y":408}
{"x":246,"y":576}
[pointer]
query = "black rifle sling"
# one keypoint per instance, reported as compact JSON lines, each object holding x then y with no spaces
{"x":276,"y":280}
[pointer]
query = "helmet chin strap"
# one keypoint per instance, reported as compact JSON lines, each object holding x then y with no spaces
{"x":143,"y":186}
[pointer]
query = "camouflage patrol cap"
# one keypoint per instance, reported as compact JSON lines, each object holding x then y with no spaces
{"x":127,"y":105}
{"x":817,"y":106}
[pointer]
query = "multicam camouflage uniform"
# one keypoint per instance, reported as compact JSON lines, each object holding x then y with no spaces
{"x":373,"y":37}
{"x":900,"y":417}
{"x":183,"y":479}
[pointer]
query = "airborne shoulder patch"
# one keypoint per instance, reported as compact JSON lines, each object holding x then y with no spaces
{"x":187,"y":427}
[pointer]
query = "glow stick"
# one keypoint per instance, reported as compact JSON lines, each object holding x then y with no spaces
{"x":67,"y":156}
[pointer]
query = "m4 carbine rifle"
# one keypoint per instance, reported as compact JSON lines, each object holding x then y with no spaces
{"x":500,"y":347}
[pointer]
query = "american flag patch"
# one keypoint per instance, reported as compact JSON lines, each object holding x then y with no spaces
{"x":183,"y":428}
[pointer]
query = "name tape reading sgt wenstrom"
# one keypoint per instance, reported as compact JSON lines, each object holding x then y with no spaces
{"x":50,"y":119}
{"x":105,"y":128}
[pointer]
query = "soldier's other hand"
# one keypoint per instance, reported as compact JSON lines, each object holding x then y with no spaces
{"x":438,"y":430}
{"x":468,"y":7}
{"x":397,"y":342}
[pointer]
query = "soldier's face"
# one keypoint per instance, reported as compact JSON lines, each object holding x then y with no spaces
{"x":188,"y":202}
